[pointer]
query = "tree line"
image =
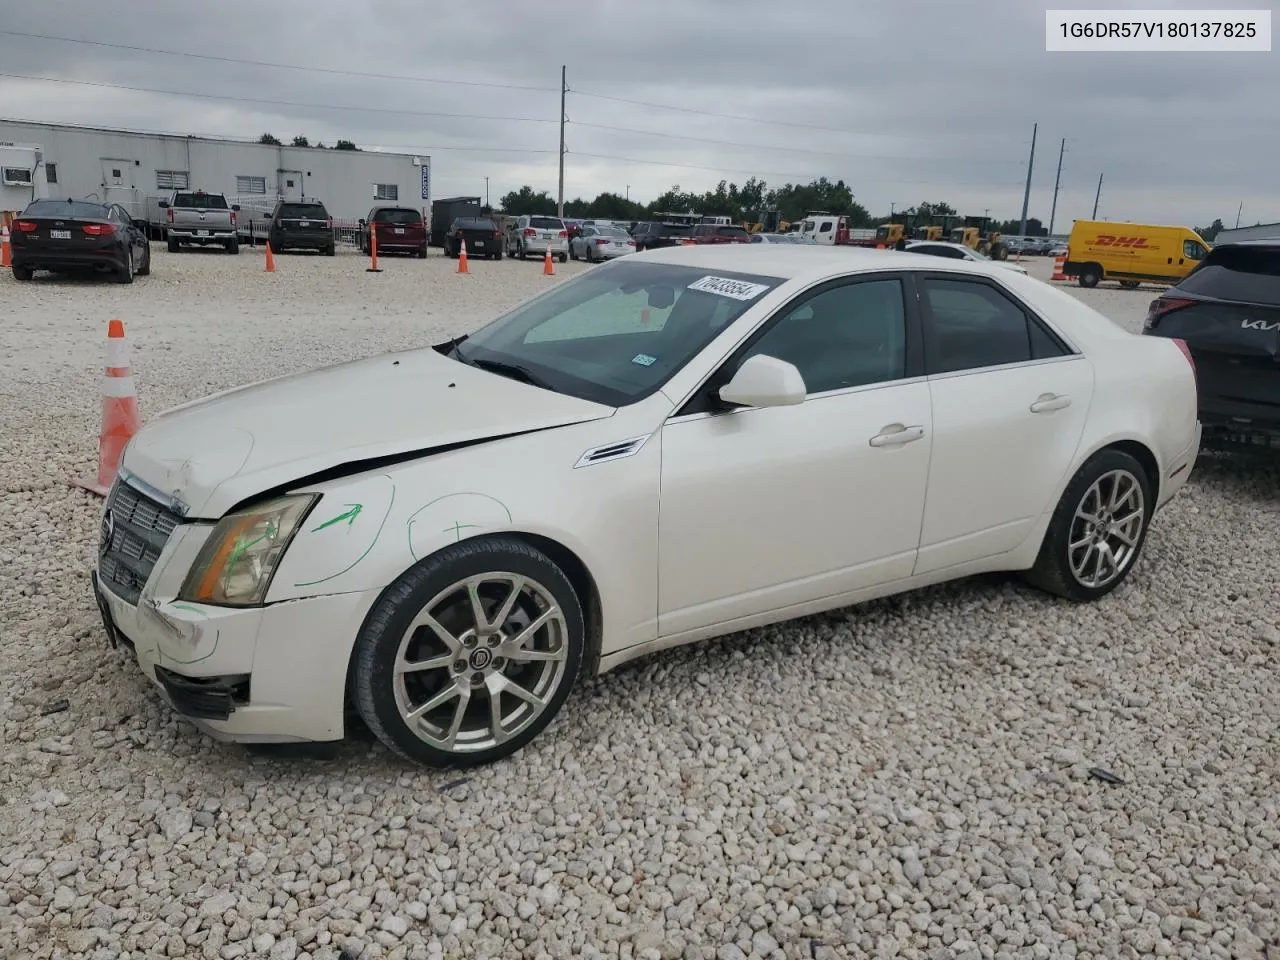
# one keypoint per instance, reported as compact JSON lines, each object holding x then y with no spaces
{"x":748,"y":203}
{"x":272,"y":140}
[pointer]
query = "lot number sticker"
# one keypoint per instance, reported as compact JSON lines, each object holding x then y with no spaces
{"x":724,"y":287}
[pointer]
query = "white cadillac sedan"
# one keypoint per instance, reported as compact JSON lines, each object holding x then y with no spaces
{"x":679,"y":444}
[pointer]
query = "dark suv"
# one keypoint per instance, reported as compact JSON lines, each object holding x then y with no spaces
{"x":1226,"y":315}
{"x":654,"y":236}
{"x":301,"y":225}
{"x":398,"y":229}
{"x":483,"y":237}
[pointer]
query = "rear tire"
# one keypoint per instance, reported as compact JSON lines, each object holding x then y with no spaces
{"x":22,"y":272}
{"x":422,"y":253}
{"x":233,"y":246}
{"x":1089,"y":277}
{"x":1070,"y":542}
{"x":125,"y":272}
{"x":145,"y":269}
{"x":173,"y":245}
{"x":483,"y":659}
{"x":564,"y":258}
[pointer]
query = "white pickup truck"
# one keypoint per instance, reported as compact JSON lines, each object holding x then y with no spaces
{"x":200,"y":218}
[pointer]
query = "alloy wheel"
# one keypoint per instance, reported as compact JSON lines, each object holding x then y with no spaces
{"x":480,"y":662}
{"x":1106,"y":529}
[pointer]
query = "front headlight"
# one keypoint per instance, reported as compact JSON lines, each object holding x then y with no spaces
{"x":235,"y":566}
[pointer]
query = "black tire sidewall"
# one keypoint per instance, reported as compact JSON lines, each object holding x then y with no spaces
{"x":383,"y":629}
{"x":1052,"y":570}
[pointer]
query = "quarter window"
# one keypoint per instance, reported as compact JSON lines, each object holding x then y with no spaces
{"x":972,"y":325}
{"x":845,"y":336}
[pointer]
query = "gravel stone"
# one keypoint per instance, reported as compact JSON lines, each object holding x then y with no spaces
{"x":932,"y":799}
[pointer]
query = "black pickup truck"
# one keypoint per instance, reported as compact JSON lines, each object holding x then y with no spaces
{"x":1226,"y":312}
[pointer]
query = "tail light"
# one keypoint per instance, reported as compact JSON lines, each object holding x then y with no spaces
{"x":1162,"y":307}
{"x":530,"y":232}
{"x":25,"y":226}
{"x":562,"y":234}
{"x":98,"y":229}
{"x":601,"y":242}
{"x":497,"y":234}
{"x":631,"y":243}
{"x":1186,"y":352}
{"x":169,"y":214}
{"x":233,"y":218}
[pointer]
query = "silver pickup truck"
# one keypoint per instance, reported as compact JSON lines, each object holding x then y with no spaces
{"x":200,"y":218}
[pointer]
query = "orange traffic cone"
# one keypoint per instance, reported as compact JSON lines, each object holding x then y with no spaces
{"x":373,"y":252}
{"x":271,"y":260}
{"x":462,"y":257}
{"x":119,"y":412}
{"x":6,"y":256}
{"x":1059,"y":262}
{"x":547,"y":269}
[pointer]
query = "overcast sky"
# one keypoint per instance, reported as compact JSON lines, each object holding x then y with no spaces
{"x":920,"y":99}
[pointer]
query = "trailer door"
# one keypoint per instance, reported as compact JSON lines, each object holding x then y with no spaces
{"x":119,"y":183}
{"x":289,"y":184}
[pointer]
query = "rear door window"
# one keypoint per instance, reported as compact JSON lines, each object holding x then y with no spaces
{"x":1240,"y":273}
{"x":398,"y":216}
{"x":200,"y":201}
{"x":302,"y":211}
{"x":971,"y":325}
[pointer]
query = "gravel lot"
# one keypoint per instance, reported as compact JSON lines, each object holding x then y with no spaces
{"x":908,"y":778}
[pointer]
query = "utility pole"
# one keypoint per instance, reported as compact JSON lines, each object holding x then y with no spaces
{"x":564,"y":88}
{"x":1239,"y":210}
{"x":628,"y":193}
{"x":1053,"y":211}
{"x":1026,"y":194}
{"x":486,"y":192}
{"x":1096,"y":196}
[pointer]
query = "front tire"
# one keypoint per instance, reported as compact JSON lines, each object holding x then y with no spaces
{"x":1098,"y":529}
{"x":470,"y":654}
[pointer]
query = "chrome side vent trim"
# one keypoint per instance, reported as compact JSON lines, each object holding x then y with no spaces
{"x":612,"y":451}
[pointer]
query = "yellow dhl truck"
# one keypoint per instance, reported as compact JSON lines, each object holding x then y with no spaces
{"x":1131,"y":253}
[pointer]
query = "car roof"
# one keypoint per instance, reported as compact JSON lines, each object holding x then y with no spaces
{"x":936,"y":243}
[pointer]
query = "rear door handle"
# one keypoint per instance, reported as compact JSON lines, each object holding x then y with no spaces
{"x":895,"y":435}
{"x":1047,"y":402}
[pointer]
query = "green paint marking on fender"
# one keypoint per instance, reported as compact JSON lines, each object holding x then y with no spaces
{"x":457,"y":529}
{"x":349,"y":516}
{"x":390,"y":504}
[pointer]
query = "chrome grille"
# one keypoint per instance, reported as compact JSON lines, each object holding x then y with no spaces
{"x":134,"y":531}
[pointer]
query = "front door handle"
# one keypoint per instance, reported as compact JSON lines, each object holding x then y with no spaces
{"x":895,"y":435}
{"x":1047,"y":402}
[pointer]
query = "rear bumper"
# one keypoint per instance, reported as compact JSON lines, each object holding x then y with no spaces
{"x":102,"y":258}
{"x":538,"y":245}
{"x":213,"y":236}
{"x":1239,"y":421}
{"x":302,"y":240}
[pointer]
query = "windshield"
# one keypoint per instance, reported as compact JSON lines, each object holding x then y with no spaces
{"x":200,"y":201}
{"x":397,"y":216}
{"x":616,"y":334}
{"x":291,"y":211}
{"x":75,"y":209}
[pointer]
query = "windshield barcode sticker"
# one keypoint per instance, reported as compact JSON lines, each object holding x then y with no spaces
{"x":724,"y":287}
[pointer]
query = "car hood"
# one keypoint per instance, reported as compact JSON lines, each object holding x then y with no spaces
{"x":211,"y":454}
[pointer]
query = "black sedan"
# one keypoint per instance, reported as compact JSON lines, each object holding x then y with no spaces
{"x":483,"y":238}
{"x":70,"y":236}
{"x":1226,"y":314}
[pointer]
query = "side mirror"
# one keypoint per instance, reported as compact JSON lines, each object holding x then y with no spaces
{"x":764,"y":381}
{"x":163,"y":204}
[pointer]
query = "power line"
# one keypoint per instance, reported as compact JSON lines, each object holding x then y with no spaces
{"x":778,"y":173}
{"x":707,"y":113}
{"x":279,"y":66}
{"x":277,"y":103}
{"x":763,"y":146}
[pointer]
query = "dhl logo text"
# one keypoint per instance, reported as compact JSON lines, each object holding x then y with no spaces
{"x":1107,"y":240}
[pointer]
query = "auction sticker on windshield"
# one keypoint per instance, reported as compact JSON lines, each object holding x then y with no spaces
{"x":725,"y":287}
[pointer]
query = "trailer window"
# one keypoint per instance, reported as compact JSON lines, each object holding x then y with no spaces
{"x":51,"y":173}
{"x":255,"y":185}
{"x":172,"y":180}
{"x":17,"y":175}
{"x":386,"y":191}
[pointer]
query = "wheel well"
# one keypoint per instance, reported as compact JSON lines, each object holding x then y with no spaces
{"x":584,"y":585}
{"x":1146,"y":458}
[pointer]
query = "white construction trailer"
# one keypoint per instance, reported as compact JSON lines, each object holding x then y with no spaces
{"x":137,"y":170}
